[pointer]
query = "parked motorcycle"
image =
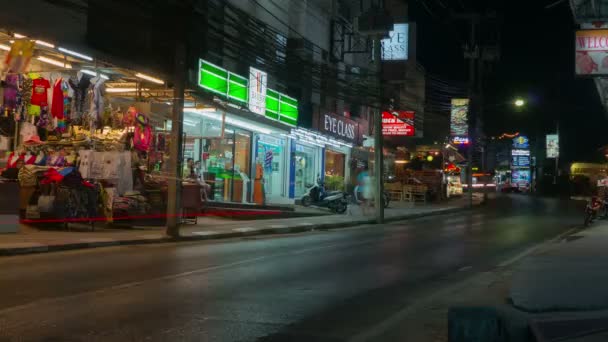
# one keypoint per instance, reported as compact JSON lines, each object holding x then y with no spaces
{"x":316,"y":195}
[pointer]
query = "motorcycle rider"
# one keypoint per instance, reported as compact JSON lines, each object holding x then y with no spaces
{"x":596,"y":205}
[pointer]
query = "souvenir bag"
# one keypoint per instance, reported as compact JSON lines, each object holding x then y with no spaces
{"x":143,"y":133}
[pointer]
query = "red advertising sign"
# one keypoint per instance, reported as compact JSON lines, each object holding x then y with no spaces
{"x":398,"y":123}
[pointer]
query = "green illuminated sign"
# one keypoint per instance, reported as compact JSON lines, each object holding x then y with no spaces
{"x":221,"y":81}
{"x":279,"y":107}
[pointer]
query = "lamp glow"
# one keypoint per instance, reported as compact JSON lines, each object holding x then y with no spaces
{"x":5,"y":47}
{"x":93,"y":73}
{"x":149,"y":78}
{"x":519,"y":103}
{"x":75,"y":54}
{"x":55,"y":62}
{"x":43,"y":43}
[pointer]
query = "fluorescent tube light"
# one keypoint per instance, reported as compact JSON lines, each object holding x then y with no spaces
{"x":93,"y":73}
{"x":19,"y":36}
{"x":149,"y":78}
{"x":5,"y":47}
{"x":43,"y":43}
{"x":231,"y":121}
{"x":123,"y":90}
{"x":75,"y":54}
{"x":55,"y":62}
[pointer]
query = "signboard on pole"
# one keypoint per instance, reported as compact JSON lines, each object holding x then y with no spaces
{"x":459,"y":124}
{"x":521,"y":142}
{"x":552,"y":145}
{"x":258,"y":82}
{"x":398,"y":123}
{"x":591,"y":46}
{"x":395,"y":47}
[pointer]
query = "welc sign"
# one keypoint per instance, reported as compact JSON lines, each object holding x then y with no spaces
{"x":251,"y":92}
{"x":591,"y":46}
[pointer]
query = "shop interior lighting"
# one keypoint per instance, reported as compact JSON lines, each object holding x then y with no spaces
{"x":5,"y":47}
{"x":231,"y":121}
{"x":123,"y":90}
{"x":19,"y":36}
{"x":93,"y":73}
{"x":43,"y":43}
{"x":75,"y":54}
{"x":55,"y":62}
{"x":149,"y":78}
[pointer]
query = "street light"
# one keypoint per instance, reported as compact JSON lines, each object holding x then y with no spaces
{"x":519,"y":102}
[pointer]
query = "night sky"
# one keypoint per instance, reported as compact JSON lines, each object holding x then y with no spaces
{"x":537,"y":63}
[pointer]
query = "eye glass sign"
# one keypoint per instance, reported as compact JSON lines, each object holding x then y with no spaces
{"x":398,"y":123}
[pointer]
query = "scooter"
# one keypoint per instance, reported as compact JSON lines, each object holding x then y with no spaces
{"x":316,"y":195}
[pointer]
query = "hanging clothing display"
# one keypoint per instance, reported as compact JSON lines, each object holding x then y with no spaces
{"x":39,"y":94}
{"x":80,"y":85}
{"x":10,"y":92}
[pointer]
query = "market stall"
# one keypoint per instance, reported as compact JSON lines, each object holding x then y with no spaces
{"x":77,"y":151}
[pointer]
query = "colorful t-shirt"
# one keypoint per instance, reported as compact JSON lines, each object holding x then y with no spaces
{"x":39,"y":92}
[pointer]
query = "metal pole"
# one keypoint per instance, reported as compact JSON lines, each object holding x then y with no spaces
{"x":175,"y":162}
{"x":556,"y":157}
{"x":472,"y":70}
{"x":378,"y":143}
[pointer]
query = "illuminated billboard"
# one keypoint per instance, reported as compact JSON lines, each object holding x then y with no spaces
{"x":591,"y":58}
{"x":398,"y":123}
{"x":459,"y":121}
{"x":395,"y":47}
{"x":552,"y":146}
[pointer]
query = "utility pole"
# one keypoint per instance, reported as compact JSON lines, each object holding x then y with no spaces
{"x":378,"y":143}
{"x":174,"y":183}
{"x":473,"y":55}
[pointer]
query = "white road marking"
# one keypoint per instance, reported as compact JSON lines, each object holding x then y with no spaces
{"x":466,"y":268}
{"x":278,"y":226}
{"x":203,"y":233}
{"x":244,"y":229}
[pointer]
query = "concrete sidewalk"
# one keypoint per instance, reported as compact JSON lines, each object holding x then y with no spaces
{"x":33,"y":240}
{"x":566,"y":276}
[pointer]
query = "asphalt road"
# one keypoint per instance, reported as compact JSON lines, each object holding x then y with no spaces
{"x":320,"y":286}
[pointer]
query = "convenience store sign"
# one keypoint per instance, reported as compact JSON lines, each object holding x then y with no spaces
{"x":279,"y":107}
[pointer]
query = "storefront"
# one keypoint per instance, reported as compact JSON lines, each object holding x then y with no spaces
{"x":77,"y":151}
{"x":244,"y":136}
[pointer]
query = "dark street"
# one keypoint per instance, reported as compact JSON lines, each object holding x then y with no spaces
{"x":321,"y":286}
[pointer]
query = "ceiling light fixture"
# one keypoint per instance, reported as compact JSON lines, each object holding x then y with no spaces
{"x":231,"y":121}
{"x":5,"y":47}
{"x":124,"y":90}
{"x":149,"y":78}
{"x":75,"y":54}
{"x":93,"y":73}
{"x":19,"y":36}
{"x":43,"y":43}
{"x":55,"y":62}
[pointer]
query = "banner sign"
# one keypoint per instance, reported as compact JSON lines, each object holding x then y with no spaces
{"x":258,"y":81}
{"x":398,"y":123}
{"x":521,"y":142}
{"x":516,"y":152}
{"x":395,"y":47}
{"x":339,"y":127}
{"x":459,"y":118}
{"x":460,"y":140}
{"x":251,"y":91}
{"x":552,"y":146}
{"x":591,"y":47}
{"x":520,"y":161}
